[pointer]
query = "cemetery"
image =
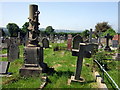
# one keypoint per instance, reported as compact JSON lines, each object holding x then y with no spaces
{"x":40,"y":60}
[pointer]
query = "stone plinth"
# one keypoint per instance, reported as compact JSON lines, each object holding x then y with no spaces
{"x":30,"y":71}
{"x":33,"y":57}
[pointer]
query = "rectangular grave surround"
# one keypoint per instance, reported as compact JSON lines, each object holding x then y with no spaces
{"x":4,"y":67}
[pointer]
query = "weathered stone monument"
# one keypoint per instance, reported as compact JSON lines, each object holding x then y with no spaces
{"x":69,"y":42}
{"x":33,"y":52}
{"x":45,"y":43}
{"x":107,"y":48}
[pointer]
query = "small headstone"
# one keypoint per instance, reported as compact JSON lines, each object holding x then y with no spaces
{"x":45,"y":43}
{"x":69,"y":42}
{"x":4,"y":67}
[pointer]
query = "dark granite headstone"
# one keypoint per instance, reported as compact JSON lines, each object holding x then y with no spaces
{"x":13,"y":50}
{"x":76,"y":40}
{"x":45,"y":43}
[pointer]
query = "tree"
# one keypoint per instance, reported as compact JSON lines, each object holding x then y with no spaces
{"x":13,"y":29}
{"x":110,"y":31}
{"x":85,"y":34}
{"x":49,"y":30}
{"x":24,"y":29}
{"x":102,"y":27}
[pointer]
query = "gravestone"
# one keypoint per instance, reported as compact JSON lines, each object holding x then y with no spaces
{"x":90,"y":36}
{"x":69,"y":42}
{"x":45,"y":43}
{"x":76,"y":40}
{"x":13,"y":50}
{"x":99,"y":40}
{"x":52,"y":38}
{"x":82,"y":53}
{"x":107,"y":48}
{"x":4,"y":66}
{"x":114,"y":43}
{"x":92,"y":48}
{"x":33,"y":52}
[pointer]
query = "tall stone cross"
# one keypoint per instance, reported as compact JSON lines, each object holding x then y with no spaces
{"x":90,"y":36}
{"x":107,"y":48}
{"x":81,"y":54}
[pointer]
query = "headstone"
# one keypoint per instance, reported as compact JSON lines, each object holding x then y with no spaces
{"x":107,"y":48}
{"x":82,"y":53}
{"x":99,"y":40}
{"x":45,"y":43}
{"x":69,"y":42}
{"x":92,"y":48}
{"x":4,"y":67}
{"x":13,"y":50}
{"x":51,"y":38}
{"x":115,"y":41}
{"x":76,"y":40}
{"x":25,"y":42}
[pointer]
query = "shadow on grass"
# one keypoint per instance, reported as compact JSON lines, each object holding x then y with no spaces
{"x":64,"y":73}
{"x":59,"y":73}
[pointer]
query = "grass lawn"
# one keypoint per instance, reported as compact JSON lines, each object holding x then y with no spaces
{"x":113,"y":71}
{"x":64,"y":64}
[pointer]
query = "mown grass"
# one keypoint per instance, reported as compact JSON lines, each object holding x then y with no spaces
{"x":16,"y":81}
{"x":64,"y":65}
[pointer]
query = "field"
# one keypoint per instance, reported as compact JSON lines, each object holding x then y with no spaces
{"x":64,"y":65}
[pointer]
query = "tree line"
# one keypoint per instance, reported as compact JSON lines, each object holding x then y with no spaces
{"x":103,"y":27}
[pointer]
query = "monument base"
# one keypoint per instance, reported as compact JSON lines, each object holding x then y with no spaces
{"x":30,"y":71}
{"x":107,"y":48}
{"x":117,"y":56}
{"x":72,"y":79}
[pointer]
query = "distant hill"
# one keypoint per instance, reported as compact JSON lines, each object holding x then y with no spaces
{"x":5,"y":30}
{"x":63,"y":30}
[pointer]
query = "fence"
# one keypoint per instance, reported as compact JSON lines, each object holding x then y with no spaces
{"x":117,"y":87}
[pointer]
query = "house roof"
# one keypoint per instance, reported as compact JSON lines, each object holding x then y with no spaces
{"x":116,"y":37}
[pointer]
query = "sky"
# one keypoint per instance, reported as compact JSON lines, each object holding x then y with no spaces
{"x":62,"y":15}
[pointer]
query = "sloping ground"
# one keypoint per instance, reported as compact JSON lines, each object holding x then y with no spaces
{"x":64,"y":64}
